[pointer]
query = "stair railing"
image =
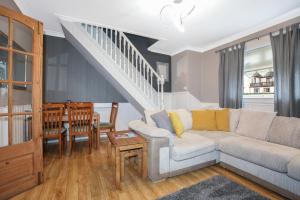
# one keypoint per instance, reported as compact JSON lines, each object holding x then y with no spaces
{"x":128,"y":58}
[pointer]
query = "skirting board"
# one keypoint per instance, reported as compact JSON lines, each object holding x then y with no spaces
{"x":261,"y":182}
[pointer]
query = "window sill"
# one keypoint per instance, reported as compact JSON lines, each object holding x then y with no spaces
{"x":258,"y":96}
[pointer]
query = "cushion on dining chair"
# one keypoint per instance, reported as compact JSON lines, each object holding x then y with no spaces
{"x":80,"y":128}
{"x":105,"y":125}
{"x":54,"y":130}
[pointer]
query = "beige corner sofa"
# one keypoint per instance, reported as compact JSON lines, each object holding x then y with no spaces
{"x":260,"y":146}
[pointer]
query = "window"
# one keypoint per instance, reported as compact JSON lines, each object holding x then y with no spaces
{"x":267,"y":90}
{"x":258,"y":69}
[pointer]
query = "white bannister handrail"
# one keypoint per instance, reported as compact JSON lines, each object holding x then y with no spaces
{"x":129,"y":59}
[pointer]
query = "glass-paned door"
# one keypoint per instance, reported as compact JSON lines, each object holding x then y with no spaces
{"x":20,"y":102}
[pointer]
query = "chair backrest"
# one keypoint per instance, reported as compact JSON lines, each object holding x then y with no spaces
{"x":59,"y":103}
{"x":80,"y":117}
{"x":52,"y":118}
{"x":114,"y":112}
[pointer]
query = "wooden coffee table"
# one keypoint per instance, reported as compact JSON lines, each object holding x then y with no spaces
{"x":127,"y":144}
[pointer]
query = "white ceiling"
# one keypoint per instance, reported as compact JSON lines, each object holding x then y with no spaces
{"x":213,"y":22}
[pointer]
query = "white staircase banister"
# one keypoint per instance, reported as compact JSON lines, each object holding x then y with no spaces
{"x":128,"y":58}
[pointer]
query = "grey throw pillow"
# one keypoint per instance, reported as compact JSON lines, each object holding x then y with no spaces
{"x":162,"y":120}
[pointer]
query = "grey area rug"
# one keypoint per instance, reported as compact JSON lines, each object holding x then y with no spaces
{"x":216,"y":188}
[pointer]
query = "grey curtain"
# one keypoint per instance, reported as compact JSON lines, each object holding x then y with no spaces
{"x":286,"y":61}
{"x":231,"y":76}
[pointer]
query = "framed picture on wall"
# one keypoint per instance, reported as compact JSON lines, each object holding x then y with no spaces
{"x":163,"y":69}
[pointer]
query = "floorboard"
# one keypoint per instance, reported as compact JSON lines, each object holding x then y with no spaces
{"x":90,"y":176}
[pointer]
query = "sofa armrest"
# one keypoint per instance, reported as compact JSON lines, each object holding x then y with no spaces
{"x":150,"y":131}
{"x":158,"y":149}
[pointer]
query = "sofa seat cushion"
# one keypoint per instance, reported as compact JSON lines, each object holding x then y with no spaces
{"x":216,"y":136}
{"x":191,"y":145}
{"x":269,"y":155}
{"x":294,"y":168}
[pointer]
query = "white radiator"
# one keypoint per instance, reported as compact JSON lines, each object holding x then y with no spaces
{"x":20,"y":126}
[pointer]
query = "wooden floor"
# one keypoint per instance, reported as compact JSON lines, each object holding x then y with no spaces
{"x":90,"y":176}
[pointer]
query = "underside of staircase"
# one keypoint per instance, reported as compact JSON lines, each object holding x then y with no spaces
{"x":115,"y":57}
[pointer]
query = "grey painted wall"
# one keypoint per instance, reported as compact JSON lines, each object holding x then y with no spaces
{"x":197,"y":73}
{"x":201,"y":70}
{"x":68,"y":76}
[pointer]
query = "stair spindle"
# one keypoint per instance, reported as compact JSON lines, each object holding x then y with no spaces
{"x":94,"y":32}
{"x":100,"y":36}
{"x":136,"y":68}
{"x":115,"y":58}
{"x":140,"y":72}
{"x":131,"y":64}
{"x":123,"y":52}
{"x":106,"y":35}
{"x":145,"y":78}
{"x":151,"y":83}
{"x":127,"y":49}
{"x":158,"y":95}
{"x":97,"y":34}
{"x":162,"y":92}
{"x":111,"y":43}
{"x":120,"y":50}
{"x":87,"y":28}
{"x":148,"y":83}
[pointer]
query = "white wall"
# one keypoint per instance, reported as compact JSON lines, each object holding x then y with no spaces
{"x":185,"y":100}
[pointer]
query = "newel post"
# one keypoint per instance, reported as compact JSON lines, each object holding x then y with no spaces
{"x":162,"y":81}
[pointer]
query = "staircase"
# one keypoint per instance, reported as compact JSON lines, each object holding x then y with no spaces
{"x":114,"y":56}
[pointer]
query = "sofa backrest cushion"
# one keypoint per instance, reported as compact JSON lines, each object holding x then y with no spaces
{"x":185,"y":117}
{"x":222,"y":119}
{"x":255,"y":124}
{"x":285,"y":131}
{"x":234,"y":118}
{"x":204,"y":120}
{"x":176,"y":123}
{"x":162,"y":120}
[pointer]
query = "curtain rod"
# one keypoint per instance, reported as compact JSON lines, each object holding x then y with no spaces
{"x":256,"y":37}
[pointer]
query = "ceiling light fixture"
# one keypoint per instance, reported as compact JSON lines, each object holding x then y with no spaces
{"x":176,"y":12}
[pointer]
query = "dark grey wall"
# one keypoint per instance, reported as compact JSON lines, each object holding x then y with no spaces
{"x":142,"y":44}
{"x":68,"y":76}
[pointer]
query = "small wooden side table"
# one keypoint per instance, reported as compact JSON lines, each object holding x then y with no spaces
{"x":127,"y":144}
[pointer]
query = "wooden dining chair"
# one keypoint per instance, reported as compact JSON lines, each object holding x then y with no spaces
{"x":53,"y":125}
{"x":80,"y":116}
{"x":106,"y":127}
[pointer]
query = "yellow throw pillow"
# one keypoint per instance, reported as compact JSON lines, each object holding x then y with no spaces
{"x":204,"y":120}
{"x":176,"y":123}
{"x":222,"y":119}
